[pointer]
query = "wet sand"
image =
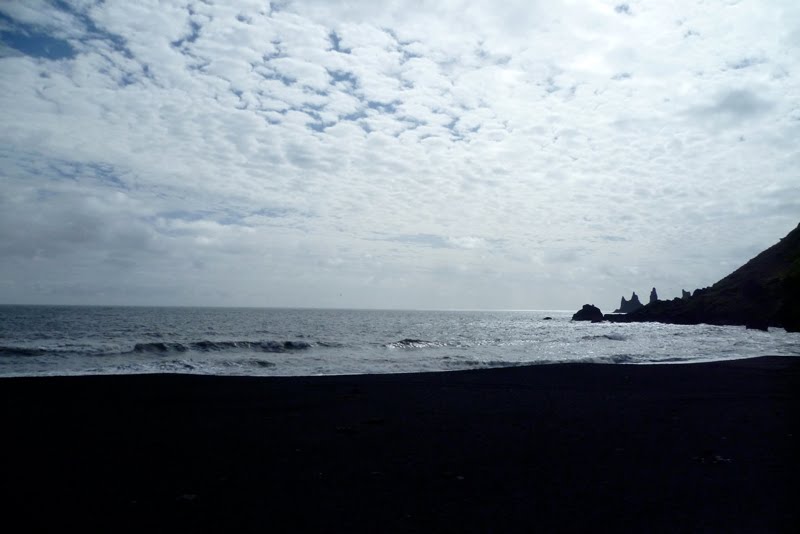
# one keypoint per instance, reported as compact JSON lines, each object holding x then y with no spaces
{"x":577,"y":447}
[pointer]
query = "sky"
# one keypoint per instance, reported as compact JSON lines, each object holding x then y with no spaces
{"x":367,"y":154}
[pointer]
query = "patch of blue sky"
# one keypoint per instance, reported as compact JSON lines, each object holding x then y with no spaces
{"x":336,"y":43}
{"x":277,"y":212}
{"x":194,"y":34}
{"x":106,"y":174}
{"x":383,"y":107}
{"x":37,"y":42}
{"x":623,"y":9}
{"x":278,"y":53}
{"x":343,"y":78}
{"x":318,"y":125}
{"x":355,"y":116}
{"x":63,"y":170}
{"x":92,"y":31}
{"x":29,"y":41}
{"x":73,"y":171}
{"x":745,"y":63}
{"x":229,"y":217}
{"x":276,"y":6}
{"x":274,"y":75}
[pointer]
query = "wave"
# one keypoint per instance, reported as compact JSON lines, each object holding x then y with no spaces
{"x":216,"y":346}
{"x":635,"y":358}
{"x":167,"y":347}
{"x":492,"y":364}
{"x":410,"y":343}
{"x":624,"y":358}
{"x":613,"y":337}
{"x":21,"y":351}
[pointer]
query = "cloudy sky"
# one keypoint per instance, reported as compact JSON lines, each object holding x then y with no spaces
{"x":443,"y":154}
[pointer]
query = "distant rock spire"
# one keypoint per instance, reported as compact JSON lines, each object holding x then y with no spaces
{"x":627,"y":306}
{"x":653,"y":296}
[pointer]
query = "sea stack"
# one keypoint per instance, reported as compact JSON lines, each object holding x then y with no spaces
{"x":628,"y":306}
{"x":763,"y":292}
{"x":653,"y":296}
{"x":589,"y":312}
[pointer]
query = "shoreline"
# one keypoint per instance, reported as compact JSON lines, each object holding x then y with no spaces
{"x":556,"y":447}
{"x":511,"y":365}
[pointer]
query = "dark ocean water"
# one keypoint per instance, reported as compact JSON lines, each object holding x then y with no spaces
{"x":62,"y":340}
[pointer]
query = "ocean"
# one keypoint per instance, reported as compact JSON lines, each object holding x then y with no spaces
{"x":77,"y":340}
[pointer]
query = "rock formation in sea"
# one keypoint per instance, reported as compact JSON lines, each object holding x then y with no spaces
{"x":653,"y":296}
{"x":627,"y":306}
{"x":589,"y":312}
{"x":763,"y":292}
{"x":685,"y":295}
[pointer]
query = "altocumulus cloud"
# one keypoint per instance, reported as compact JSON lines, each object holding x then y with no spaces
{"x":405,"y":155}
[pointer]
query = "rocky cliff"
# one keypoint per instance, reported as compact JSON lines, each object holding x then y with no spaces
{"x":763,"y":292}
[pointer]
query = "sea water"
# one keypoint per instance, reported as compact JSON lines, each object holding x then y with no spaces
{"x":62,"y":340}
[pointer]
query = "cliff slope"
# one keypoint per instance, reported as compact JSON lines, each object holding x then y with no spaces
{"x":763,"y":292}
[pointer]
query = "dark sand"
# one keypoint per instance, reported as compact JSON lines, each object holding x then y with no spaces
{"x":577,"y":447}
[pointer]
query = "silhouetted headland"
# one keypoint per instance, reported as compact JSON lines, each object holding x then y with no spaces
{"x":762,"y":293}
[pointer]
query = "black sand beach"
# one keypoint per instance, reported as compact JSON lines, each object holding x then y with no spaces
{"x":577,"y":447}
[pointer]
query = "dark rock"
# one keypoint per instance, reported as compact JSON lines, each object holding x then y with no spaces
{"x":653,"y":296}
{"x":763,"y":292}
{"x":628,"y":306}
{"x":685,"y":295}
{"x":547,"y":319}
{"x":589,"y":312}
{"x":698,"y":292}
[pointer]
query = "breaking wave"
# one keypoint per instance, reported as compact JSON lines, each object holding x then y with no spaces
{"x":409,"y":343}
{"x":21,"y":351}
{"x":215,"y":346}
{"x":167,"y":348}
{"x":490,"y":364}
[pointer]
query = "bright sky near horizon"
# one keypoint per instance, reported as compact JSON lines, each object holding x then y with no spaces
{"x":442,"y":154}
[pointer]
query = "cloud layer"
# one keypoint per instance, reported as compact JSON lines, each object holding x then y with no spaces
{"x":399,"y":154}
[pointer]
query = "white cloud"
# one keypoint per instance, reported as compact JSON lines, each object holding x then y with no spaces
{"x":250,"y":154}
